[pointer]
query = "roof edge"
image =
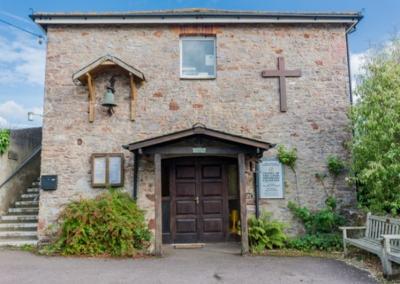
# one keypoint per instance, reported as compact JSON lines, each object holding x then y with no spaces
{"x":194,"y":16}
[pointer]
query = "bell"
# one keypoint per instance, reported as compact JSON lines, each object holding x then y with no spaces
{"x":108,"y":99}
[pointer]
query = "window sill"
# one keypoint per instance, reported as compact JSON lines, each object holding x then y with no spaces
{"x":198,"y":78}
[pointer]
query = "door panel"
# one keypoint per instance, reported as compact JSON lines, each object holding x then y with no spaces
{"x":211,"y":189}
{"x":212,"y":225}
{"x":185,"y":172}
{"x":186,"y":226}
{"x":212,"y":207}
{"x":184,"y":220}
{"x":211,"y":171}
{"x":199,"y":203}
{"x":184,"y":207}
{"x":185,"y":189}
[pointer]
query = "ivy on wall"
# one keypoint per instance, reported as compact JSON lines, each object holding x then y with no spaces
{"x":4,"y":140}
{"x":288,"y":157}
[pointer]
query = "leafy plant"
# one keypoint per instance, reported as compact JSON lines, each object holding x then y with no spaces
{"x":111,"y":224}
{"x":335,"y":165}
{"x":287,"y":157}
{"x":324,"y":242}
{"x":4,"y":140}
{"x":376,"y":121}
{"x":265,"y":233}
{"x":322,"y":227}
{"x":325,"y":220}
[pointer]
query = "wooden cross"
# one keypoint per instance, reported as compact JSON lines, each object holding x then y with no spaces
{"x":281,"y":73}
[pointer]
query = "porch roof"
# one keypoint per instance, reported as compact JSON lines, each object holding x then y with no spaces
{"x":198,"y":130}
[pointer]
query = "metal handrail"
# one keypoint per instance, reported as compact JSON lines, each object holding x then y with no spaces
{"x":23,"y":164}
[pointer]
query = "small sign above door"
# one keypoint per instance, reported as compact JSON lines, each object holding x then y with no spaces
{"x":199,"y":150}
{"x":270,"y":179}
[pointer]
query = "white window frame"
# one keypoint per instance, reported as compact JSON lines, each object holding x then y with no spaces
{"x":182,"y":38}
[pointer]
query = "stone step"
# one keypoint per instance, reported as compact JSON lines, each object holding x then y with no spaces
{"x":32,"y":190}
{"x":18,"y":227}
{"x":17,"y":242}
{"x":35,"y":184}
{"x":24,"y":210}
{"x":29,"y":196}
{"x":18,"y":234}
{"x":18,"y":218}
{"x":27,"y":203}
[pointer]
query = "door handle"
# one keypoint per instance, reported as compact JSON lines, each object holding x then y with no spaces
{"x":197,"y":200}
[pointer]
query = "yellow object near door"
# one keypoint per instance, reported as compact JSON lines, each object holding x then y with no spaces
{"x":234,"y":221}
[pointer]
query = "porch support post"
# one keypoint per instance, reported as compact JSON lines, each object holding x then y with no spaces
{"x":157,"y":203}
{"x":243,"y":205}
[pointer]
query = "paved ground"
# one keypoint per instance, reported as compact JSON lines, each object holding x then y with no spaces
{"x":212,"y":264}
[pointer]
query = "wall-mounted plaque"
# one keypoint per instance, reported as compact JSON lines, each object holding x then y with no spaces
{"x":270,"y":178}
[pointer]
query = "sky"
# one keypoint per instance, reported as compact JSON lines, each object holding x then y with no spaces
{"x":22,"y":56}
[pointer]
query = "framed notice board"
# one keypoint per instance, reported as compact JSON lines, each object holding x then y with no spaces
{"x":270,"y":177}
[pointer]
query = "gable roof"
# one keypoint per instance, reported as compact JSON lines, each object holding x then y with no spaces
{"x":100,"y":64}
{"x":193,"y":16}
{"x":199,"y":130}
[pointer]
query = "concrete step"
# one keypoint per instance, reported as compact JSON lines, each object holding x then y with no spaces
{"x":24,"y":203}
{"x":18,"y":227}
{"x":18,"y":218}
{"x":32,"y":190}
{"x":29,"y":196}
{"x":24,"y":210}
{"x":18,"y":234}
{"x":17,"y":242}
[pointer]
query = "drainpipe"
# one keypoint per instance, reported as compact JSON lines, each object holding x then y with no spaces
{"x":349,"y":69}
{"x":256,"y":199}
{"x":135,"y":174}
{"x":348,"y":31}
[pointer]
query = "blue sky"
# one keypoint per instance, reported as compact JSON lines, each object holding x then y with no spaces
{"x":22,"y":58}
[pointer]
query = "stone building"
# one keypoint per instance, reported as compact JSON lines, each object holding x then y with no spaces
{"x":180,"y":108}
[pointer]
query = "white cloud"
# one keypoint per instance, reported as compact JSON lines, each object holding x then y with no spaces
{"x":3,"y":123}
{"x":357,"y":61}
{"x":14,"y":115}
{"x":22,"y":60}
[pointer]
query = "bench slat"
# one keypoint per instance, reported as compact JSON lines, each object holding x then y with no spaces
{"x":367,"y":244}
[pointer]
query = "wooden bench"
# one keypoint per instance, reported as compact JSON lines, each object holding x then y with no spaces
{"x":381,"y":237}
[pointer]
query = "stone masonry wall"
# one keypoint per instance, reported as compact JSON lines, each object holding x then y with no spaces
{"x":23,"y":142}
{"x":238,"y":101}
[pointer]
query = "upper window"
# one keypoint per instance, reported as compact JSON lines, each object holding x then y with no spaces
{"x":198,"y":57}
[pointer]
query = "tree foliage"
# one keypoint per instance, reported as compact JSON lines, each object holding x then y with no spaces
{"x":376,"y":143}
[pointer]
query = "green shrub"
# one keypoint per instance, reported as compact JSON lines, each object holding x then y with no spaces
{"x":4,"y":140}
{"x":323,"y":242}
{"x":265,"y":233}
{"x":287,"y":157}
{"x":325,"y":220}
{"x":110,"y":224}
{"x":335,"y":165}
{"x":322,"y":227}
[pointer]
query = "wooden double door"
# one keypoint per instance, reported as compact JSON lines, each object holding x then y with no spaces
{"x":198,"y":199}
